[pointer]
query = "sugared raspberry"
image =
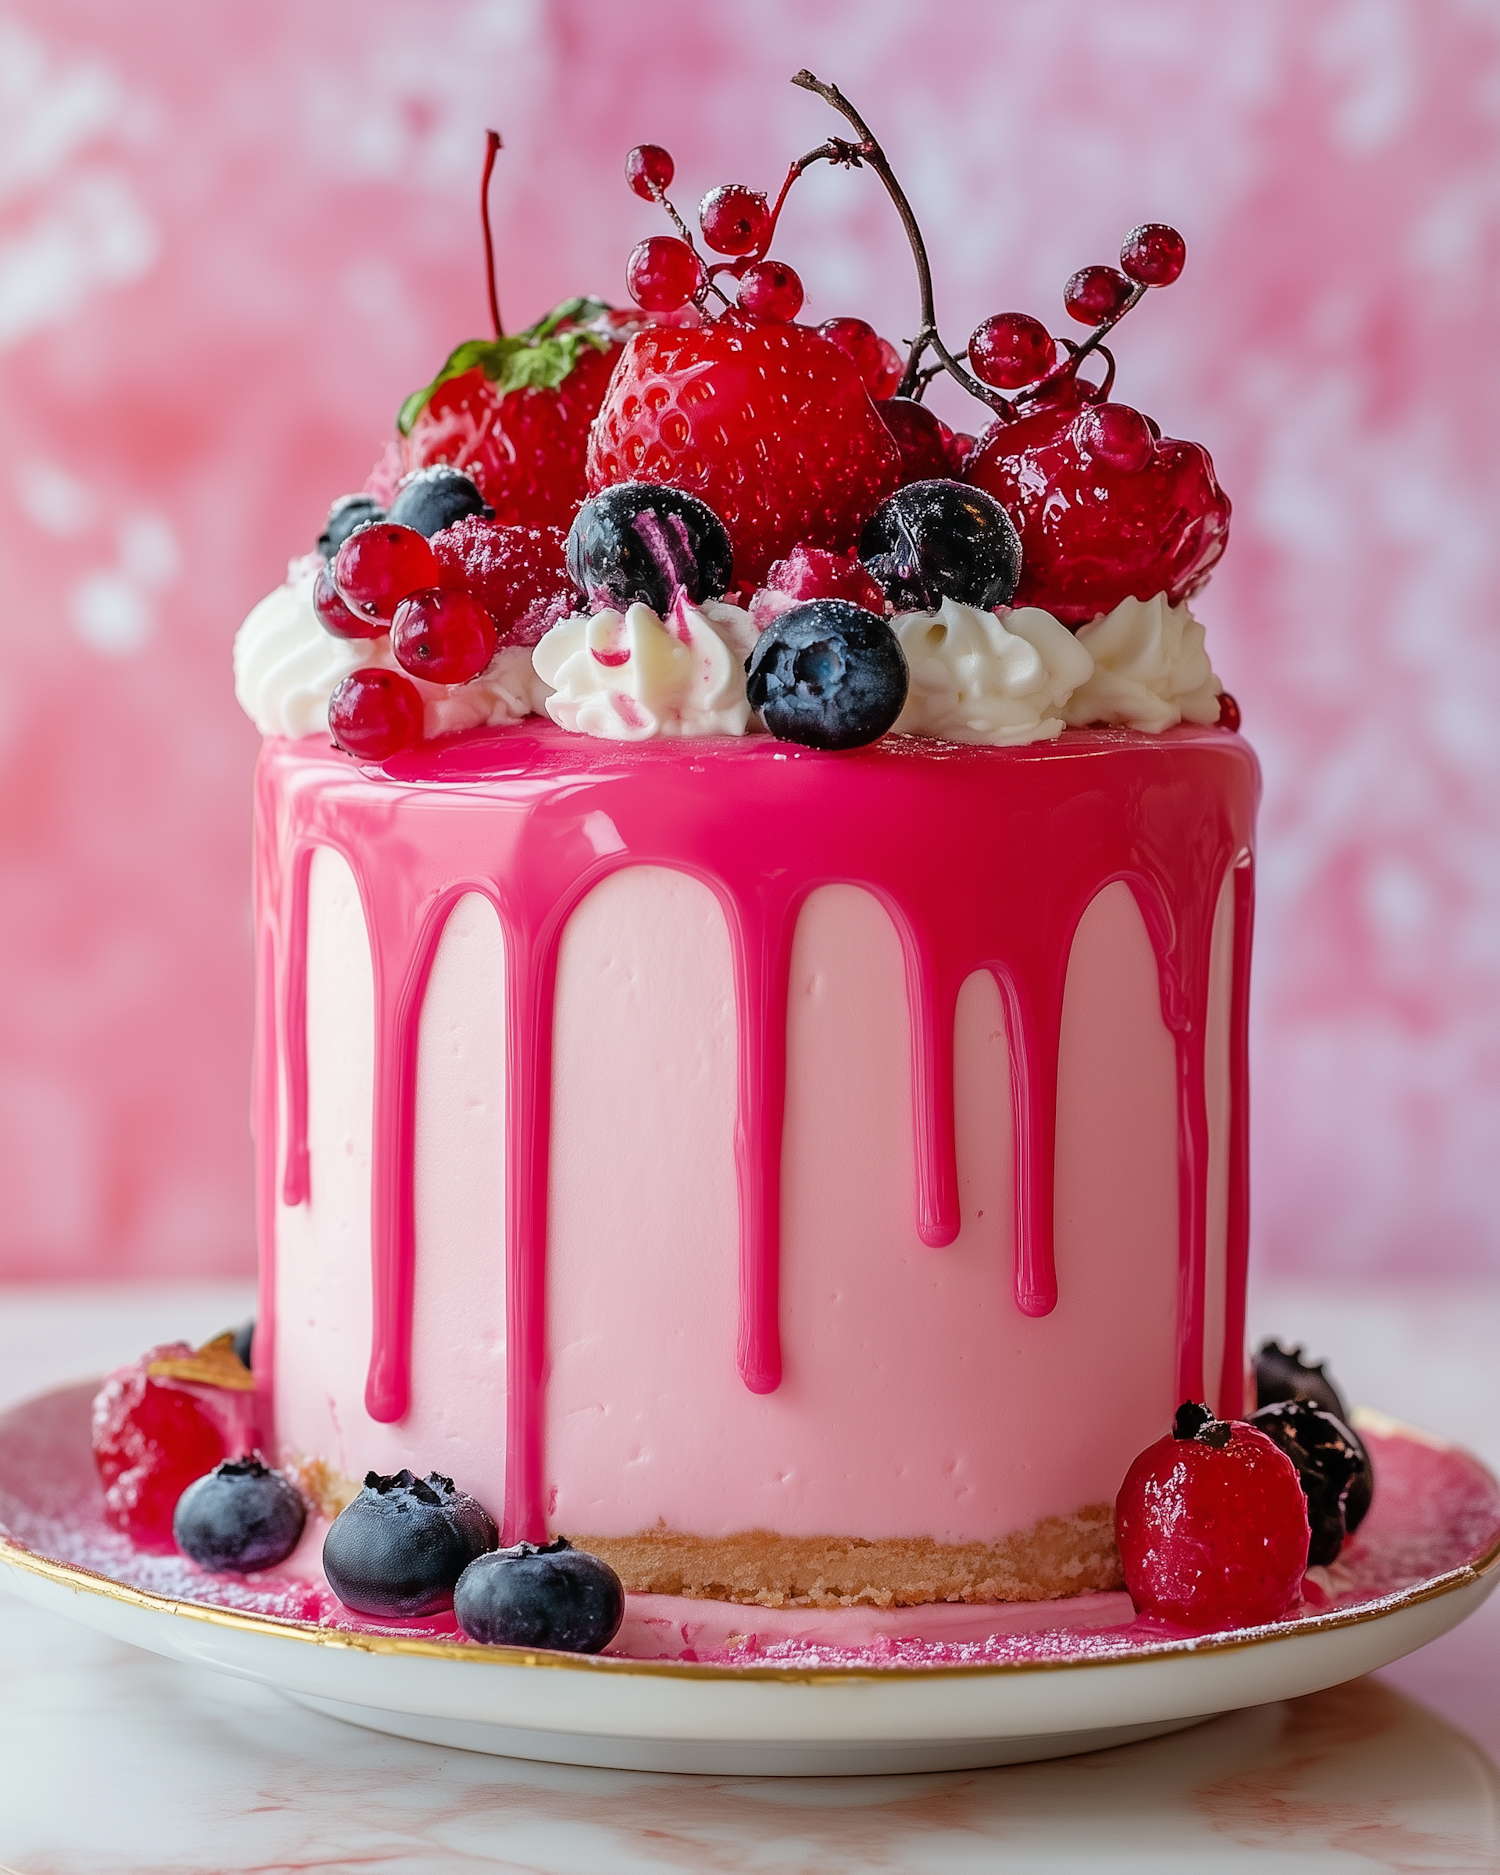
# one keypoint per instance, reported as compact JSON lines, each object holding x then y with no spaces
{"x":812,"y":573}
{"x":516,"y":573}
{"x":1212,"y":1526}
{"x":151,"y":1439}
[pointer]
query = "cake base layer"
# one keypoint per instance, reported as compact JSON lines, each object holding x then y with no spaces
{"x":1058,"y":1556}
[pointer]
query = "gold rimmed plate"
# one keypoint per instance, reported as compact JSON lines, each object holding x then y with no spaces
{"x":705,"y":1687}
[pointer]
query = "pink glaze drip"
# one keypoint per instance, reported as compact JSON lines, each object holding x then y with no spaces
{"x":984,"y":859}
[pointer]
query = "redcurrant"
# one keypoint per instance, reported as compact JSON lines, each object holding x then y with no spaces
{"x":663,"y":273}
{"x":1153,"y":254}
{"x":1094,"y":294}
{"x":734,"y":219}
{"x":334,"y":616}
{"x":876,"y":360}
{"x":1114,"y":434}
{"x":770,"y":290}
{"x":1229,"y":711}
{"x":649,"y":171}
{"x":444,"y":635}
{"x":1012,"y":349}
{"x":377,"y":567}
{"x":375,"y":713}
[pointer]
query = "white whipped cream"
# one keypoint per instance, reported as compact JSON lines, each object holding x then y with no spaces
{"x":286,"y":666}
{"x":628,"y":676}
{"x":996,"y":677}
{"x":1150,"y":669}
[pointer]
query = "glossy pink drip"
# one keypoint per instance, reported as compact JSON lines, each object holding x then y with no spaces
{"x":985,"y":860}
{"x":295,"y":1185}
{"x":1232,"y":1385}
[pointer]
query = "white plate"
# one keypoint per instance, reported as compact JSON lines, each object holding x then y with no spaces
{"x":811,"y":1719}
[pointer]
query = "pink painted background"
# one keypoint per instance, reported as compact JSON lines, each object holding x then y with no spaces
{"x":233,"y":237}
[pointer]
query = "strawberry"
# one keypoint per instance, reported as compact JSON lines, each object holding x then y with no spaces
{"x":516,"y":573}
{"x":514,"y":412}
{"x":1105,"y":505}
{"x":766,"y":421}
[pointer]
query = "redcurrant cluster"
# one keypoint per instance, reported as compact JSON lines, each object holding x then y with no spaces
{"x":665,"y":272}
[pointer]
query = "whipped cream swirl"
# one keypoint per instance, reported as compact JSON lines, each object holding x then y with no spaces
{"x":1150,"y":672}
{"x":627,"y":676}
{"x":993,"y":677}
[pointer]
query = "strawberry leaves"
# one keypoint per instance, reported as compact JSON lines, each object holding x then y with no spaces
{"x":539,"y":358}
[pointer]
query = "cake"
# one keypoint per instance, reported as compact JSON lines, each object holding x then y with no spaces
{"x":785,"y":1133}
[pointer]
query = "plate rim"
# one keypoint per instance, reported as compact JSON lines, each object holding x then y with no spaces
{"x":74,"y":1576}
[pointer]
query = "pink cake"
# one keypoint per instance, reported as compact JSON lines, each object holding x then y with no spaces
{"x":798,"y":1174}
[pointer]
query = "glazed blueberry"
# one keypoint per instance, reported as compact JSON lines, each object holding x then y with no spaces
{"x":548,"y":1595}
{"x":1282,"y":1374}
{"x":637,"y":543}
{"x":398,"y":1549}
{"x":1331,"y":1462}
{"x":939,"y":540}
{"x":244,"y":1341}
{"x":347,"y":513}
{"x":242,"y":1516}
{"x":434,"y":498}
{"x":827,"y":674}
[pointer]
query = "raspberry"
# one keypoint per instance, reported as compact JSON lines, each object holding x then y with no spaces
{"x":525,"y":448}
{"x":769,"y":423}
{"x":152,"y":1438}
{"x":516,"y":574}
{"x":1212,"y":1526}
{"x":1092,"y":533}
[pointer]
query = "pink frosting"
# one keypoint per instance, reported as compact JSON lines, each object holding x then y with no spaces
{"x":982,"y":861}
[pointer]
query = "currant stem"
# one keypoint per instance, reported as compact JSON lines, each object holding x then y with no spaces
{"x":869,"y":151}
{"x":659,"y":195}
{"x":492,"y":148}
{"x":1077,"y":353}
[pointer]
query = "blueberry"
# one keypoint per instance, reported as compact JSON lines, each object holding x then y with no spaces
{"x":244,"y":1341}
{"x":241,"y":1516}
{"x":347,"y":514}
{"x":1332,"y":1463}
{"x":932,"y":541}
{"x":827,"y":674}
{"x":434,"y":498}
{"x":398,"y":1549}
{"x":1282,"y":1374}
{"x":548,"y":1595}
{"x":637,"y":543}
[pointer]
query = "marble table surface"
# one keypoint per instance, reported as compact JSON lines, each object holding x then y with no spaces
{"x":114,"y":1762}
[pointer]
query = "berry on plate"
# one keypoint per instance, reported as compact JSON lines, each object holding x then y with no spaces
{"x":767,"y":422}
{"x":1212,"y":1526}
{"x":638,"y":543}
{"x":242,"y":1516}
{"x":827,"y":674}
{"x":400,"y":1547}
{"x":517,"y":574}
{"x":514,"y":412}
{"x":152,"y":1435}
{"x":540,"y":1595}
{"x":435,"y":497}
{"x":1333,"y":1464}
{"x":939,"y":540}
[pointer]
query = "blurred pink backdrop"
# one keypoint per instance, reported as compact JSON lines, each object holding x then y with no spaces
{"x":233,"y":237}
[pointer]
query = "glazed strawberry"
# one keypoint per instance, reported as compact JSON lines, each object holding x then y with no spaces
{"x":767,"y":422}
{"x":1212,"y":1526}
{"x":514,"y":413}
{"x":151,"y":1437}
{"x":516,"y":573}
{"x":1105,"y":508}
